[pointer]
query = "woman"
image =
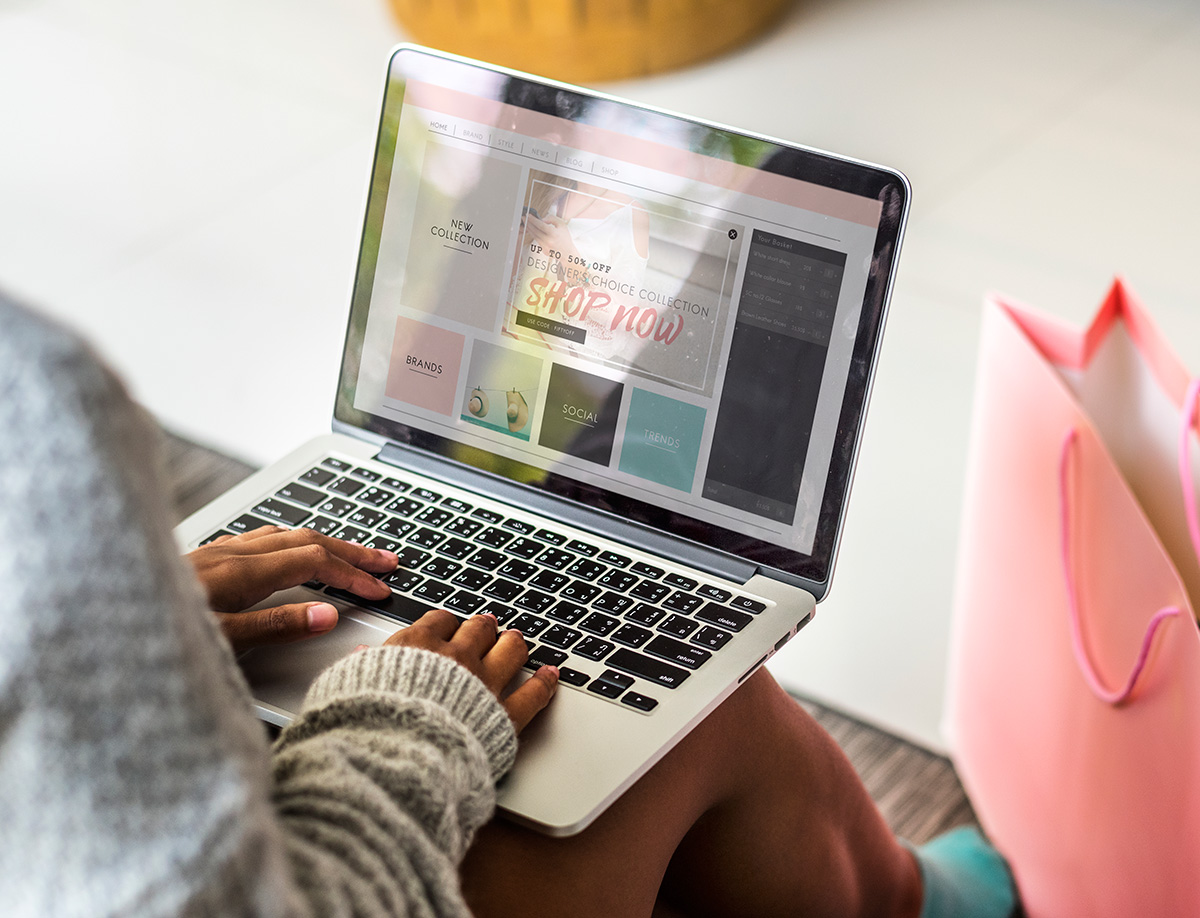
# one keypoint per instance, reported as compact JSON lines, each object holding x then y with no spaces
{"x":135,"y":781}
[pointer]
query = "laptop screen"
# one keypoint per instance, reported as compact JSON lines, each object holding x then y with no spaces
{"x":659,"y":318}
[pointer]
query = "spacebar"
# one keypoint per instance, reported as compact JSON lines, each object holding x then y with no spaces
{"x":401,"y":608}
{"x":655,"y":670}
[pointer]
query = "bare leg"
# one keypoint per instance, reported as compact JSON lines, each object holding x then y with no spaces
{"x":756,"y":813}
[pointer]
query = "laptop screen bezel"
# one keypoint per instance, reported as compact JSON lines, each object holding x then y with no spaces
{"x":888,"y":186}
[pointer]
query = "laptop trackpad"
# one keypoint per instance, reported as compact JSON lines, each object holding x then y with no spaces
{"x":281,"y":674}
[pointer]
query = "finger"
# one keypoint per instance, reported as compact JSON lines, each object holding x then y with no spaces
{"x":221,"y":540}
{"x":278,"y":624}
{"x":440,"y":623}
{"x":258,"y":533}
{"x":313,"y":561}
{"x":476,"y":636}
{"x":531,"y":696}
{"x":269,"y":539}
{"x":504,"y":660}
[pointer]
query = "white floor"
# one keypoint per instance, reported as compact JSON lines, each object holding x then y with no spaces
{"x":183,"y":180}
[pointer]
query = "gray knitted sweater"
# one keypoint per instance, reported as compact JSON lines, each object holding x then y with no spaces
{"x":133,"y":778}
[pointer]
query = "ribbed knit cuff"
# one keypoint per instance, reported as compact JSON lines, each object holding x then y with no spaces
{"x":415,"y":673}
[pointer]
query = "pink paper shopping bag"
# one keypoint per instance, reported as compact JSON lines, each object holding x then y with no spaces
{"x":1074,"y":695}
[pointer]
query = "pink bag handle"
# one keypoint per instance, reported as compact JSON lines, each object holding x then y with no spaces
{"x":1087,"y":667}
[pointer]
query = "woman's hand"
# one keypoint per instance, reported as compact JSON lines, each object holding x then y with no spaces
{"x":239,"y":571}
{"x":494,"y":659}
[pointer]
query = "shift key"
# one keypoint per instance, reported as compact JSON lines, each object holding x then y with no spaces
{"x":279,"y":511}
{"x":648,"y":668}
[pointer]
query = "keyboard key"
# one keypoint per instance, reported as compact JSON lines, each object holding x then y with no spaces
{"x":465,"y":601}
{"x":336,"y":506}
{"x":572,"y":676}
{"x":402,"y":608}
{"x":404,"y":506}
{"x":433,"y":592}
{"x":678,"y":626}
{"x":247,"y":523}
{"x":412,"y":557}
{"x":338,"y":464}
{"x":544,"y":656}
{"x":397,"y":528}
{"x":727,"y":619}
{"x":216,"y":535}
{"x":525,"y":548}
{"x":493,"y":537}
{"x":535,"y":601}
{"x":470,"y":579}
{"x":352,"y":534}
{"x":515,"y":569}
{"x":384,"y":544}
{"x":458,"y":506}
{"x":582,"y":548}
{"x":618,"y":580}
{"x":680,"y":601}
{"x":632,"y":635}
{"x":464,"y":527}
{"x":585,"y":569}
{"x":746,"y":604}
{"x":402,"y":581}
{"x":578,"y":591}
{"x":605,"y":689}
{"x":613,"y":602}
{"x":644,"y":614}
{"x":487,"y":515}
{"x":376,"y":497}
{"x":427,"y":538}
{"x":678,"y":580}
{"x":368,"y":519}
{"x":646,"y":570}
{"x":593,"y":648}
{"x":555,"y":558}
{"x":280,"y":512}
{"x":529,"y":625}
{"x":550,"y":581}
{"x":502,"y":612}
{"x":567,"y":612}
{"x":520,"y":526}
{"x":551,"y":538}
{"x":324,"y":525}
{"x":395,"y":484}
{"x":347,"y":487}
{"x":504,"y":590}
{"x":299,"y":494}
{"x":318,"y":476}
{"x":613,"y":559}
{"x":708,"y":591}
{"x":441,"y":568}
{"x":650,"y":591}
{"x":677,"y":652}
{"x":599,"y":623}
{"x":487,"y":559}
{"x":456,"y":549}
{"x":561,"y":636}
{"x":365,"y":474}
{"x":426,"y":495}
{"x":634,"y":700}
{"x":434,"y":516}
{"x":712,"y":638}
{"x":656,"y":671}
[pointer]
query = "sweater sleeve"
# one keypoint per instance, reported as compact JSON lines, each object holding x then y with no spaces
{"x":134,"y":779}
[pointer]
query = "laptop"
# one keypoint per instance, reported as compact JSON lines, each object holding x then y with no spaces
{"x":604,"y":376}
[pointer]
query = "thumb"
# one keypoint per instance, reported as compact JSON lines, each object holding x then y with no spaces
{"x":531,"y":696}
{"x":278,"y":624}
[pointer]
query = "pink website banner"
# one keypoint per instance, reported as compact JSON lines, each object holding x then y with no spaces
{"x":664,"y":158}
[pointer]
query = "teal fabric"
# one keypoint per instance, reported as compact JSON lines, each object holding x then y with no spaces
{"x":965,"y":877}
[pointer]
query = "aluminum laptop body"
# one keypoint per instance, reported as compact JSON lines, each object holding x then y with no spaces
{"x":605,"y":370}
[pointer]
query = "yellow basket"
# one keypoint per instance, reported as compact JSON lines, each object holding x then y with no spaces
{"x":582,"y":41}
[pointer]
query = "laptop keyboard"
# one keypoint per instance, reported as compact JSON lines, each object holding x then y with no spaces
{"x":645,"y":628}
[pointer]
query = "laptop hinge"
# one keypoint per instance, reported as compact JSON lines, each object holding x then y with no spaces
{"x":710,"y":560}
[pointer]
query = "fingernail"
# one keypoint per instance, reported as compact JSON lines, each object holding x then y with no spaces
{"x":389,"y":556}
{"x":553,"y":671}
{"x":360,"y":647}
{"x":321,"y":616}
